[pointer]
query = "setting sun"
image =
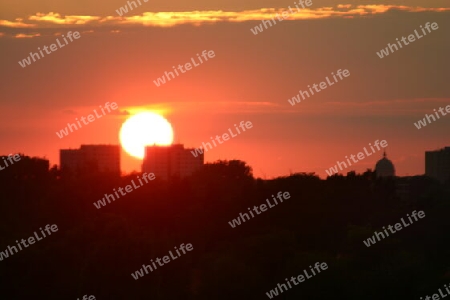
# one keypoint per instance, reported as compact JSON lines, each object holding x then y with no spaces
{"x":142,"y":129}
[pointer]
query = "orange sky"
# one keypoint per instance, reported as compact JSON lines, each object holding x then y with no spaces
{"x":250,"y":79}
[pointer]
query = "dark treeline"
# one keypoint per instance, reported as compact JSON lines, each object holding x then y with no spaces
{"x":95,"y":250}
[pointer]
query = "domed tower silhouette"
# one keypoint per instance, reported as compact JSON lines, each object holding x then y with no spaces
{"x":384,"y":167}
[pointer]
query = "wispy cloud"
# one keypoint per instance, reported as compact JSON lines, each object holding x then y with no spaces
{"x":56,"y":18}
{"x":18,"y":24}
{"x":169,"y":19}
{"x":224,"y":107}
{"x":26,"y":35}
{"x":389,"y":107}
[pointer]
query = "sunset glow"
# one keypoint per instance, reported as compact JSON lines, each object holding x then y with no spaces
{"x":229,"y":149}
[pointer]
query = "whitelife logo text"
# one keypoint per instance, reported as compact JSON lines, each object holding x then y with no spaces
{"x":11,"y":162}
{"x":187,"y":66}
{"x":161,"y":262}
{"x":27,"y":61}
{"x":284,"y":15}
{"x":225,"y":138}
{"x":31,"y":240}
{"x":398,"y":227}
{"x":297,"y":280}
{"x":128,"y":189}
{"x":90,"y":118}
{"x":360,"y":155}
{"x":423,"y":123}
{"x":124,"y":9}
{"x":323,"y":85}
{"x":262,"y":207}
{"x":411,"y":38}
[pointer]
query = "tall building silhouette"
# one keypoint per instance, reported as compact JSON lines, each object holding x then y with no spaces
{"x":91,"y":159}
{"x":384,"y":167}
{"x":173,"y":160}
{"x":437,"y":164}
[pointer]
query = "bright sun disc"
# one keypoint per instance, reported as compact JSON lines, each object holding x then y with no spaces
{"x":144,"y":129}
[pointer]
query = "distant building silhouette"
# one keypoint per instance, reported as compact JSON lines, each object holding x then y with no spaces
{"x":173,"y":160}
{"x":90,"y":159}
{"x":25,"y":167}
{"x":384,"y":167}
{"x":437,"y":164}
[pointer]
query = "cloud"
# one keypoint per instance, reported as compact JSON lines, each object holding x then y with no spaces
{"x":169,"y":19}
{"x":26,"y":35}
{"x":225,"y":107}
{"x":390,"y":107}
{"x":19,"y":24}
{"x":56,"y":18}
